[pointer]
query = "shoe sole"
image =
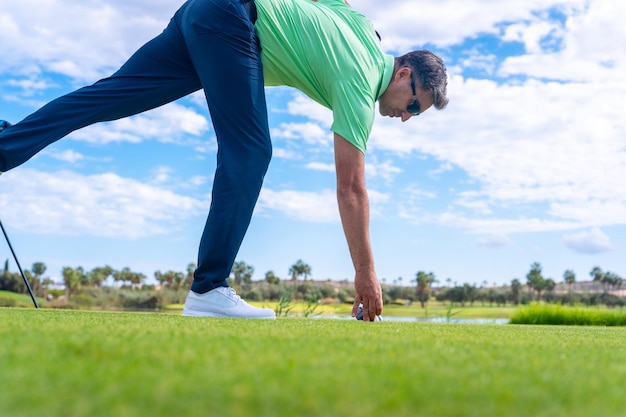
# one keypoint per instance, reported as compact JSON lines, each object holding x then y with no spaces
{"x":217,"y":315}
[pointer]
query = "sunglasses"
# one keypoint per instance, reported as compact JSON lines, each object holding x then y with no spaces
{"x":414,"y":107}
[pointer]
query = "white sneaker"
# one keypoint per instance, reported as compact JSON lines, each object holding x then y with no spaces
{"x":223,"y":302}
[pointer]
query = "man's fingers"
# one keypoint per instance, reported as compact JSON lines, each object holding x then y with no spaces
{"x":371,"y":310}
{"x":366,"y":312}
{"x":355,"y":306}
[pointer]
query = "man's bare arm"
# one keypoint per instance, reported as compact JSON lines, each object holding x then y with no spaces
{"x":354,"y":210}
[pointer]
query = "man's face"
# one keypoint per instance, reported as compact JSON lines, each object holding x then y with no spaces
{"x":399,"y":95}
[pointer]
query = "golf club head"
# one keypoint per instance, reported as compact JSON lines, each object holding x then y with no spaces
{"x":359,"y":314}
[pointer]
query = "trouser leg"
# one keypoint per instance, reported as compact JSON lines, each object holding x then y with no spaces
{"x":224,"y":49}
{"x":159,"y":72}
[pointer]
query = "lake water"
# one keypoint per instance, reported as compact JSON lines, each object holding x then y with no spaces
{"x":428,"y":319}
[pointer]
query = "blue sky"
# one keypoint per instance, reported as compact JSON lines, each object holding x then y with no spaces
{"x":526,"y":164}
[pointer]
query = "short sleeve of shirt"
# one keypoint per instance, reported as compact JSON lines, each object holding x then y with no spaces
{"x":353,"y":113}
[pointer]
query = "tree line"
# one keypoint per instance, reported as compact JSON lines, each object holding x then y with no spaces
{"x":272,"y":287}
{"x":75,"y":279}
{"x":540,"y":288}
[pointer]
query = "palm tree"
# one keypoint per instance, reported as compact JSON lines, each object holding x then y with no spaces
{"x":38,"y":269}
{"x":597,"y":275}
{"x":516,"y":289}
{"x":124,"y":275}
{"x":299,"y":269}
{"x":191,"y":268}
{"x":242,"y":273}
{"x":174,"y":278}
{"x":619,"y":281}
{"x":271,"y":278}
{"x":99,"y":275}
{"x":169,"y":279}
{"x":72,"y":278}
{"x":535,"y":280}
{"x":570,"y":278}
{"x":161,"y":278}
{"x":612,"y":280}
{"x":424,"y":281}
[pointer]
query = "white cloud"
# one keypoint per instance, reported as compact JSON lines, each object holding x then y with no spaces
{"x":535,"y":142}
{"x":413,"y":202}
{"x":166,"y":124}
{"x":320,"y":166}
{"x":589,"y":242}
{"x":386,"y":171}
{"x":283,"y":153}
{"x":593,"y":212}
{"x":162,"y":174}
{"x":90,"y":38}
{"x":404,"y":25}
{"x":478,"y":60}
{"x":312,"y":206}
{"x":445,"y":167}
{"x":105,"y":205}
{"x":301,"y":105}
{"x":531,"y":33}
{"x":378,"y":201}
{"x":198,"y":180}
{"x":474,"y":201}
{"x":309,"y":132}
{"x":502,"y":226}
{"x":31,"y":84}
{"x":592,"y":47}
{"x":68,"y":156}
{"x":317,"y":207}
{"x":493,"y":241}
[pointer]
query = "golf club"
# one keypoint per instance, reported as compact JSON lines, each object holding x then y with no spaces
{"x":3,"y":125}
{"x":30,"y":290}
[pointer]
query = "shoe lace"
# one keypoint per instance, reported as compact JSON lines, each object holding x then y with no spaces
{"x":232,"y":294}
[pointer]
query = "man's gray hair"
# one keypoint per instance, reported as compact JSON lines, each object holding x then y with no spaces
{"x":430,"y":72}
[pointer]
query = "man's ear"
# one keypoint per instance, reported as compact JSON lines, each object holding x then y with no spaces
{"x":402,"y":73}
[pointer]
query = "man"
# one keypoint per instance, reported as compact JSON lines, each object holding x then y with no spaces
{"x":231,"y":49}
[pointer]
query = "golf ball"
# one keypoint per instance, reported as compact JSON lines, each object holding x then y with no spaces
{"x":359,"y":314}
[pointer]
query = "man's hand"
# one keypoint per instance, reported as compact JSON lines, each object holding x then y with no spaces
{"x":354,"y":210}
{"x":368,"y":292}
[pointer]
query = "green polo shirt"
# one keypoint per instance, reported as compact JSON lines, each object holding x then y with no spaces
{"x":331,"y":53}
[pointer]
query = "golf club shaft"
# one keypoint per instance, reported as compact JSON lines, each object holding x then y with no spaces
{"x":30,"y":290}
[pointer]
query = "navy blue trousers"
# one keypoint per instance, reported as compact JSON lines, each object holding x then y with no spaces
{"x":209,"y":44}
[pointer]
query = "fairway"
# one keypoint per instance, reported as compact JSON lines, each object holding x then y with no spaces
{"x":79,"y":363}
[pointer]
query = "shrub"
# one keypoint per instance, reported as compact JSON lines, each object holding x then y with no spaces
{"x":8,"y":302}
{"x":82,"y":301}
{"x":141,"y":301}
{"x":328,"y":291}
{"x":573,"y":316}
{"x":253,"y":294}
{"x":346,"y":295}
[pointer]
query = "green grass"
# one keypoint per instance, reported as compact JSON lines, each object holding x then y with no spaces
{"x":562,"y":315}
{"x":20,"y":300}
{"x":74,"y":364}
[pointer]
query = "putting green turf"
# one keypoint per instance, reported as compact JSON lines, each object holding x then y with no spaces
{"x":70,"y":363}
